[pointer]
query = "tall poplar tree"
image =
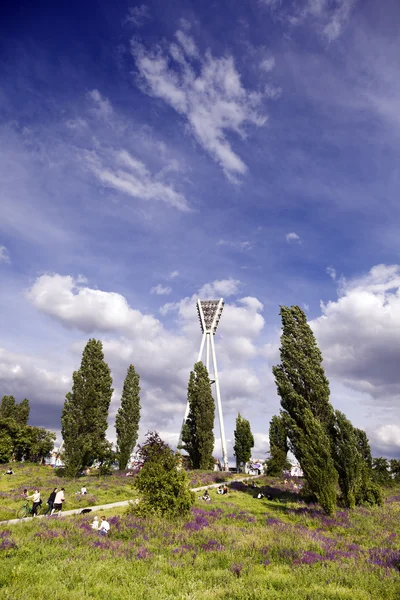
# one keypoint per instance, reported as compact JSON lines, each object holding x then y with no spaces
{"x":85,"y":412}
{"x":198,"y":431}
{"x":244,"y":441}
{"x":278,"y":447}
{"x":127,"y":419}
{"x":307,"y":413}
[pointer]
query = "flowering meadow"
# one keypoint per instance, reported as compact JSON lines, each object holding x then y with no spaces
{"x":235,"y":547}
{"x":100,"y":490}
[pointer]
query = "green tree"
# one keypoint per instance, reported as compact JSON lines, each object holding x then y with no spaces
{"x":198,"y":431}
{"x":164,"y":488}
{"x":6,"y":445}
{"x":347,"y":458}
{"x":22,"y":410}
{"x":128,"y":416}
{"x":278,"y":448}
{"x":244,"y":441}
{"x":307,"y":413}
{"x":364,"y":447}
{"x":381,"y":472}
{"x":7,"y":407}
{"x":395,"y":470}
{"x":85,"y":412}
{"x":38,"y":443}
{"x":369,"y":491}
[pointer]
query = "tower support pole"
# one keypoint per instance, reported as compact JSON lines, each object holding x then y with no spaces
{"x":219,"y":407}
{"x":203,"y":340}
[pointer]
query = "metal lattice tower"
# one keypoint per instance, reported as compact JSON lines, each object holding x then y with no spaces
{"x":209,"y":312}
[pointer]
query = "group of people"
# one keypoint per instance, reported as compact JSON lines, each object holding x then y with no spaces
{"x":103,"y":527}
{"x":206,"y":496}
{"x":54,"y":501}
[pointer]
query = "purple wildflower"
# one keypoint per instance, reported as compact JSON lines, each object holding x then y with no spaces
{"x":236,"y":569}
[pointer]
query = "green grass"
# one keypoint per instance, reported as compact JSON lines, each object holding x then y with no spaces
{"x":236,"y":547}
{"x":101,"y":490}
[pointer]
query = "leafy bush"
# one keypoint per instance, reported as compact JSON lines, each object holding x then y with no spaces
{"x":164,"y":489}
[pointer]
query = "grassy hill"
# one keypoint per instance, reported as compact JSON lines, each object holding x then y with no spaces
{"x":236,"y":547}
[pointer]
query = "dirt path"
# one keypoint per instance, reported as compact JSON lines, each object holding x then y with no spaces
{"x":77,"y":511}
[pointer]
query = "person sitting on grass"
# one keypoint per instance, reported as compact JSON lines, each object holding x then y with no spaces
{"x":95,"y":524}
{"x":50,"y":502}
{"x":206,"y":496}
{"x":225,"y":489}
{"x":220,"y":489}
{"x":58,"y":500}
{"x":36,"y":501}
{"x":25,"y":494}
{"x":104,"y":526}
{"x":259,"y":496}
{"x":9,"y":472}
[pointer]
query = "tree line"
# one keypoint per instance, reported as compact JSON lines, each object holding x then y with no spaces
{"x":85,"y":413}
{"x":18,"y":440}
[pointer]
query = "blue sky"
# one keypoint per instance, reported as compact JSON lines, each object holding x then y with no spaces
{"x":152,"y":152}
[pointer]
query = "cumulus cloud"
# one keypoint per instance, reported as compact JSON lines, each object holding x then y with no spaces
{"x":359,"y":334}
{"x":173,"y":274}
{"x":76,"y":306}
{"x":219,"y":287}
{"x":4,"y":255}
{"x":161,"y":290}
{"x":293,"y":238}
{"x":206,"y":91}
{"x":386,"y":440}
{"x":122,"y":171}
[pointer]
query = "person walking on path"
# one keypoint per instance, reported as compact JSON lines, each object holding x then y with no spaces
{"x":104,"y":526}
{"x":50,"y":502}
{"x":36,"y":501}
{"x":58,"y":500}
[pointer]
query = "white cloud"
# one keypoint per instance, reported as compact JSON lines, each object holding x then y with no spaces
{"x":359,"y":334}
{"x":173,"y":274}
{"x":120,"y":170}
{"x":161,"y":290}
{"x":272,"y":92}
{"x":214,"y":102}
{"x":267,"y":64}
{"x":331,"y":272}
{"x":101,"y":105}
{"x":4,"y":255}
{"x":245,"y":245}
{"x":64,"y":298}
{"x":328,"y":18}
{"x":338,"y":20}
{"x":293,"y":237}
{"x":386,"y":440}
{"x":221,"y":287}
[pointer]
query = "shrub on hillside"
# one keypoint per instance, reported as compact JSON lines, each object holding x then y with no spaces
{"x":163,"y":488}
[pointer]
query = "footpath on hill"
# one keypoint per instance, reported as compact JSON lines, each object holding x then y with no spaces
{"x":77,"y":511}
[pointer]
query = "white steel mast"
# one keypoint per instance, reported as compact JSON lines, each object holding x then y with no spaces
{"x":209,"y":312}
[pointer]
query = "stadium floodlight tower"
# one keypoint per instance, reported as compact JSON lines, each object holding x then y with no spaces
{"x":209,"y":312}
